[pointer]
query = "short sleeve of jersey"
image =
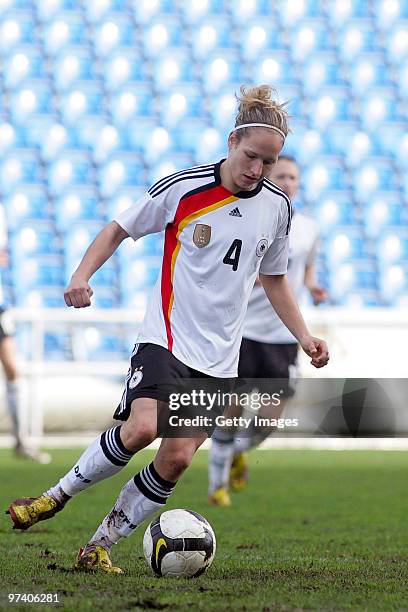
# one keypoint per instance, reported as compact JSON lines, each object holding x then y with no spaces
{"x":148,"y":215}
{"x":275,"y":260}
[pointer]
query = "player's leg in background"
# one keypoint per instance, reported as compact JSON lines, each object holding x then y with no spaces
{"x":143,"y":495}
{"x":220,"y":459}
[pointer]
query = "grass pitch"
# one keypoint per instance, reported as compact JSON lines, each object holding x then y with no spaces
{"x":314,"y":530}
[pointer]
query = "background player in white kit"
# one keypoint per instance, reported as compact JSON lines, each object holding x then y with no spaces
{"x":224,"y":224}
{"x":268,"y":349}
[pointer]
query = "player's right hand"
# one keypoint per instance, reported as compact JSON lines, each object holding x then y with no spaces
{"x":78,"y":293}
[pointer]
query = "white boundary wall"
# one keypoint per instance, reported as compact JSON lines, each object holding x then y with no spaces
{"x":366,"y":343}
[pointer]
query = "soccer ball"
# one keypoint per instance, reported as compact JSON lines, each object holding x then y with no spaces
{"x":179,"y":543}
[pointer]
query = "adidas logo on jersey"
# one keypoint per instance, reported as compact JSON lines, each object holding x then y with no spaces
{"x":235,"y":213}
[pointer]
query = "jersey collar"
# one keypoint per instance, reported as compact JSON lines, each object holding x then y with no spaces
{"x":240,"y":194}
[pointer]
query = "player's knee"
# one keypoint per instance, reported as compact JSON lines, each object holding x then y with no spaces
{"x":139,"y":437}
{"x":178,"y":462}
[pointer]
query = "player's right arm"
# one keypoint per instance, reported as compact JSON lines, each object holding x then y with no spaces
{"x":78,"y":293}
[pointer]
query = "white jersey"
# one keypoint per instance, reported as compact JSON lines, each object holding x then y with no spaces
{"x":215,"y":245}
{"x":262,"y":324}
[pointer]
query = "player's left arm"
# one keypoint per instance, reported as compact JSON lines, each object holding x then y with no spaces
{"x":317,"y":292}
{"x":280,"y":295}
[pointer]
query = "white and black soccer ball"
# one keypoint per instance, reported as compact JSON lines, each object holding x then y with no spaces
{"x":179,"y":543}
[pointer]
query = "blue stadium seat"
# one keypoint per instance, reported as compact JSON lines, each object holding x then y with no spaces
{"x":10,"y":137}
{"x":179,"y":103}
{"x":258,"y":36}
{"x":71,"y":168}
{"x":304,"y":144}
{"x":333,"y":209}
{"x":310,"y":36}
{"x":64,"y":30}
{"x":324,"y":174}
{"x":81,"y":102}
{"x":352,"y":276}
{"x":102,"y":344}
{"x":368,"y":71}
{"x":86,"y":131}
{"x":210,"y":34}
{"x":396,"y":45}
{"x":356,"y":37}
{"x":360,"y":298}
{"x":390,"y":140}
{"x":383,"y":210}
{"x":122,"y":67}
{"x":174,"y":68}
{"x":340,"y":12}
{"x":30,"y":99}
{"x":321,"y":70}
{"x":345,"y":244}
{"x":145,"y":10}
{"x":220,"y":69}
{"x":34,"y":237}
{"x":156,"y":143}
{"x":123,"y":200}
{"x":291,"y":12}
{"x":95,"y":10}
{"x":111,"y":33}
{"x":243,"y":11}
{"x":273,"y":67}
{"x":378,"y":106}
{"x":344,"y":138}
{"x":375,"y":174}
{"x":20,"y":166}
{"x":392,"y":246}
{"x":16,"y":28}
{"x":107,"y":298}
{"x":26,"y":62}
{"x":45,"y":270}
{"x":49,"y":9}
{"x":77,"y":238}
{"x":204,"y":141}
{"x":222,"y":108}
{"x":387,"y":14}
{"x":393,"y":282}
{"x":109,"y":140}
{"x":162,"y":32}
{"x":52,"y":139}
{"x":402,"y":79}
{"x":72,"y":64}
{"x":131,"y":101}
{"x":120,"y":171}
{"x":138,"y":275}
{"x":27,"y":202}
{"x":136,"y":300}
{"x":193,"y":12}
{"x":57,"y":346}
{"x":331,"y":104}
{"x":81,"y":204}
{"x":42,"y":297}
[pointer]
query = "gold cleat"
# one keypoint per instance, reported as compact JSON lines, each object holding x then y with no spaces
{"x":239,"y":472}
{"x":220,"y":497}
{"x":27,"y":511}
{"x":94,"y":557}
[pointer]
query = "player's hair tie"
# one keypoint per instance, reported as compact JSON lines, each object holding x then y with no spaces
{"x":266,"y":125}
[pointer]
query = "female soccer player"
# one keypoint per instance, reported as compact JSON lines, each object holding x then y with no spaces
{"x":224,"y":224}
{"x":268,"y":348}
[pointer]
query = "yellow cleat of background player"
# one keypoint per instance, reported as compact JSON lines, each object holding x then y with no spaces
{"x":94,"y":557}
{"x":220,"y":497}
{"x":239,"y":472}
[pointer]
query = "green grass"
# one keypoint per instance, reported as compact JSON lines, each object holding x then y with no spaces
{"x":314,"y":530}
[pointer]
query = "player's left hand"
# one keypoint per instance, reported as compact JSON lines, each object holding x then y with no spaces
{"x":316,"y":349}
{"x":319,"y":294}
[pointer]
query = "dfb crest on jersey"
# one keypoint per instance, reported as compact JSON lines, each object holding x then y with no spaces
{"x":202,"y":235}
{"x":136,"y":378}
{"x":261,"y":247}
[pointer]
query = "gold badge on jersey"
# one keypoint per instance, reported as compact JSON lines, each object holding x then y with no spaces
{"x":202,"y":235}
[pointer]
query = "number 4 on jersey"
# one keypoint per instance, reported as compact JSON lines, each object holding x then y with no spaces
{"x":231,"y":257}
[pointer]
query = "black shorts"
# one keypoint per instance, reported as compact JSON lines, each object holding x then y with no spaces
{"x":265,"y":361}
{"x":6,"y":328}
{"x":156,"y":373}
